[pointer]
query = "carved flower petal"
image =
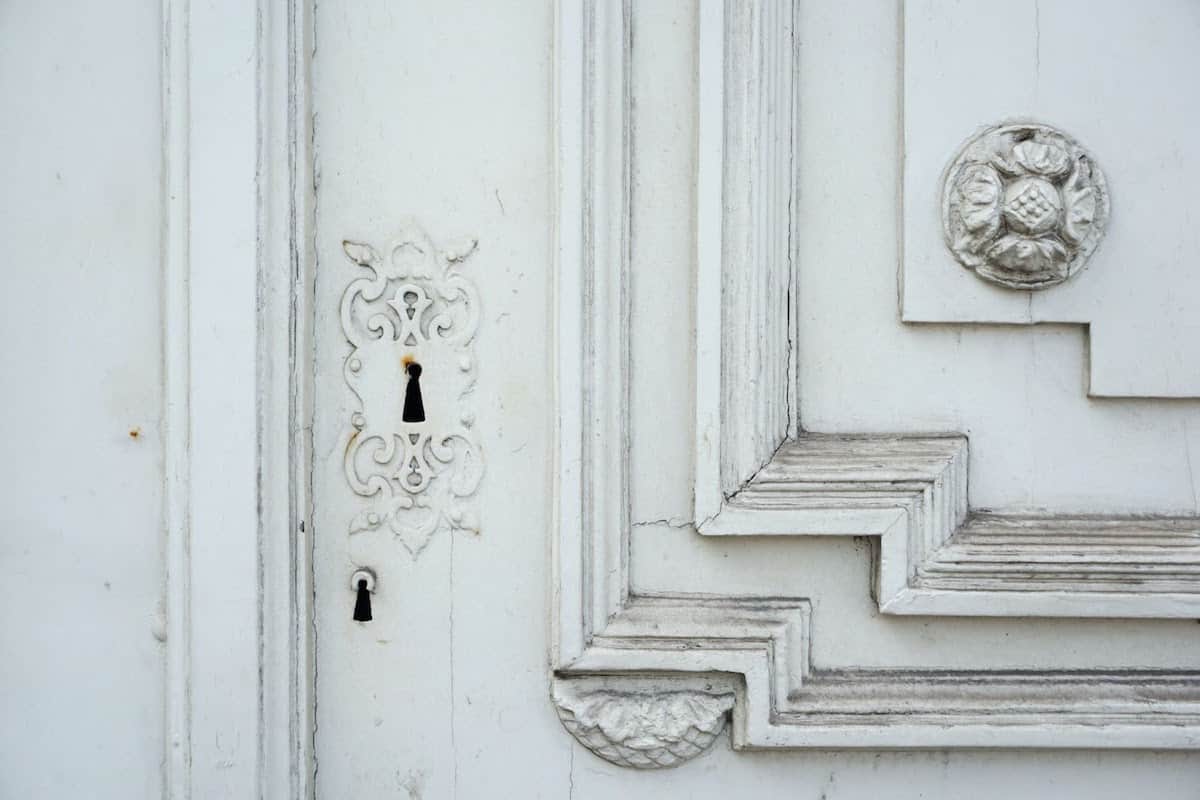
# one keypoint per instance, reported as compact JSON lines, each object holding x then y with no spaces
{"x":981,"y":190}
{"x":980,"y":193}
{"x":412,"y":258}
{"x":1041,"y":158}
{"x":1025,"y":254}
{"x":360,"y":253}
{"x":646,"y":721}
{"x":1079,"y":203}
{"x":469,"y":470}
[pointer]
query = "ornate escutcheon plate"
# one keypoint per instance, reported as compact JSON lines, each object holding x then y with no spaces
{"x":411,"y":305}
{"x":1023,"y":206}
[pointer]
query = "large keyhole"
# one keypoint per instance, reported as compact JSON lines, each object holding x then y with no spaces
{"x":414,"y":407}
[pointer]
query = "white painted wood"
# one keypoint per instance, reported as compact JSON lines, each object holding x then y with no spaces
{"x":938,"y":558}
{"x":592,"y":213}
{"x":744,"y":228}
{"x":1138,"y":296}
{"x":818,"y":486}
{"x":81,"y":493}
{"x":177,"y":742}
{"x":238,"y":694}
{"x":285,"y":207}
{"x":432,"y":696}
{"x":220,"y":272}
{"x":170,"y":660}
{"x":1019,"y":393}
{"x":618,"y":645}
{"x":590,"y":169}
{"x":680,"y":633}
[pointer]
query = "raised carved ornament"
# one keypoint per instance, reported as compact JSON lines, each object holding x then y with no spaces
{"x":411,"y":305}
{"x":1024,"y":206}
{"x":643,"y":729}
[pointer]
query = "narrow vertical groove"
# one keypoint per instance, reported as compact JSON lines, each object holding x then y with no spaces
{"x":572,"y":308}
{"x":285,"y":765}
{"x":777,"y":262}
{"x":301,"y":43}
{"x":771,"y":366}
{"x":901,"y":152}
{"x":762,"y":212}
{"x":587,"y":392}
{"x":791,"y":126}
{"x":176,"y":357}
{"x":756,"y":325}
{"x":625,"y":346}
{"x":283,"y":361}
{"x":605,"y":242}
{"x":713,"y":243}
{"x":303,"y":162}
{"x":264,"y":61}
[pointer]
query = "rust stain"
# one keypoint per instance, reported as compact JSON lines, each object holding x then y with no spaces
{"x":134,"y":433}
{"x":408,"y":359}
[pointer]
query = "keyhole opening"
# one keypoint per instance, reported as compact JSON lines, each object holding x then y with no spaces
{"x":362,"y":605}
{"x":414,"y":407}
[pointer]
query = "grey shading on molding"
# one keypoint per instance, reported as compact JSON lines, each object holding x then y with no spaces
{"x":1024,"y":205}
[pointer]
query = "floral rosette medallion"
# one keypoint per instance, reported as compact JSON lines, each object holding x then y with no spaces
{"x":1024,"y":206}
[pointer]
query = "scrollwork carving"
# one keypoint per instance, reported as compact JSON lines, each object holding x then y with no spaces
{"x":1024,"y":206}
{"x":411,"y":305}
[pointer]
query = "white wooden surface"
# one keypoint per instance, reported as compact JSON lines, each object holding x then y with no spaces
{"x":444,"y":693}
{"x":150,"y":208}
{"x":1018,"y":392}
{"x":81,"y":569}
{"x":408,"y":664}
{"x":1124,"y":96}
{"x":155,"y":616}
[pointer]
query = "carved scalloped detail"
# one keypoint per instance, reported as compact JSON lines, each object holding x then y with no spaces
{"x":643,"y":729}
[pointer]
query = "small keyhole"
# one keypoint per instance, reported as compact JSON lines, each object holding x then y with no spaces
{"x":362,"y":605}
{"x":414,"y":407}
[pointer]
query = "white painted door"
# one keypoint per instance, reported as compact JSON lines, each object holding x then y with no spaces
{"x":739,"y":465}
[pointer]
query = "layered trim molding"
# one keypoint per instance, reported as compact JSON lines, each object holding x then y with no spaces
{"x":624,"y":663}
{"x":237,"y":303}
{"x":756,"y":474}
{"x":934,"y":556}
